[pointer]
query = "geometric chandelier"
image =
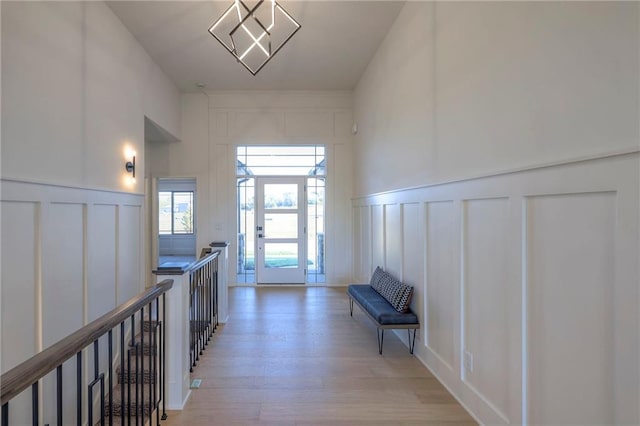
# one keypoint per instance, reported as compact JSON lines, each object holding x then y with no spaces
{"x":253,"y":35}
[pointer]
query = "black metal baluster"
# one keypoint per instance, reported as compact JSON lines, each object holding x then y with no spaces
{"x":128,"y":388}
{"x":215,"y":289}
{"x":79,"y":388}
{"x":203,"y":315}
{"x":151,"y":329}
{"x":99,"y":379}
{"x":35,"y":409}
{"x":133,"y":330}
{"x":155,"y":360}
{"x":163,"y":354}
{"x":5,"y":414}
{"x":58,"y":395}
{"x":101,"y":400}
{"x":121,"y":375}
{"x":110,"y":356}
{"x":96,"y":356}
{"x":137,"y":382}
{"x":209,"y":297}
{"x":200,"y":296}
{"x":141,"y":356}
{"x":191,"y":323}
{"x":197,"y":321}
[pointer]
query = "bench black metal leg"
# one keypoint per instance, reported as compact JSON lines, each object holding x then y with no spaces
{"x":380,"y":334}
{"x":412,"y":342}
{"x":350,"y":306}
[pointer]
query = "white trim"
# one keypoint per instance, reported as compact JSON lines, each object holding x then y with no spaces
{"x":576,"y":160}
{"x":66,"y":186}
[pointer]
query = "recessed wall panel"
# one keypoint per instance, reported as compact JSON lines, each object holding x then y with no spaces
{"x":412,"y":255}
{"x":441,"y":280}
{"x":486,"y":319}
{"x":393,"y":240}
{"x":19,"y":266}
{"x":101,"y":260}
{"x":363,"y":243}
{"x":377,"y":236}
{"x":260,"y":124}
{"x":62,"y":271}
{"x":312,"y":123}
{"x":129,"y":253}
{"x":570,"y":272}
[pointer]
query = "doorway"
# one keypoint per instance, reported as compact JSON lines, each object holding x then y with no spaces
{"x":280,"y":230}
{"x":176,"y":222}
{"x":280,"y":214}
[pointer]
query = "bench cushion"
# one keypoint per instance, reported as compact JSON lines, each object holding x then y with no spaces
{"x":378,"y":307}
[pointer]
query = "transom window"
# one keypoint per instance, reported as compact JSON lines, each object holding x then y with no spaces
{"x":281,"y":161}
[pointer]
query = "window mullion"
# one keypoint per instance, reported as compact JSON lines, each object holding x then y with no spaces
{"x":173,"y":194}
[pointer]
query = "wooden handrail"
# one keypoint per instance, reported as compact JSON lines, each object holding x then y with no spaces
{"x":203,"y":261}
{"x":24,"y":375}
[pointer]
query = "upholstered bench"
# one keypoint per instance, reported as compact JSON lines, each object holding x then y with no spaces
{"x":386,"y":302}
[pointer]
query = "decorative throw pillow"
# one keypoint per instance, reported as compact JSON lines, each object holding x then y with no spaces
{"x":404,"y":299}
{"x":375,"y":279}
{"x":389,"y":287}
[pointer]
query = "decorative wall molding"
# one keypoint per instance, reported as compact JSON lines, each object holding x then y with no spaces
{"x":68,"y":256}
{"x":526,"y":285}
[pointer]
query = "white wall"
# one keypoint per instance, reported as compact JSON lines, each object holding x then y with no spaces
{"x":76,"y":87}
{"x":215,"y":123}
{"x":517,"y":126}
{"x":459,"y":90}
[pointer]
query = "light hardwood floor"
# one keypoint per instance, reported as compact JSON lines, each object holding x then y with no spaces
{"x":294,"y":356}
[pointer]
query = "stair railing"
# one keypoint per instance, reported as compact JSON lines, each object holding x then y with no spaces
{"x":203,"y":304}
{"x":139,"y":392}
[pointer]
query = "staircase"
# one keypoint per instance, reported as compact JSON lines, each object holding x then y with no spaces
{"x":137,"y":394}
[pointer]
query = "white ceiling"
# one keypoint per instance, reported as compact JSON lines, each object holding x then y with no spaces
{"x":330,"y":52}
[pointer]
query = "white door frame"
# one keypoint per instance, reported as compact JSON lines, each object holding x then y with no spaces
{"x":283,"y":275}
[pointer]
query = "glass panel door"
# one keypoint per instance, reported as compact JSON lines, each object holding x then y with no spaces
{"x":280,"y":232}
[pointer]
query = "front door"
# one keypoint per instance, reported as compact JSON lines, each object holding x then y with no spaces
{"x":280,"y":229}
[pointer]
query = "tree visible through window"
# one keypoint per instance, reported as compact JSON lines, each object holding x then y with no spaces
{"x":175,"y":212}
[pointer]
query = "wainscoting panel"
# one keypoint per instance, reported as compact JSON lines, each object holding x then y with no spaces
{"x":59,"y":260}
{"x":362,"y":244}
{"x":485,"y":289}
{"x":411,"y":256}
{"x":63,"y":252}
{"x":62,"y":270}
{"x":377,"y":237}
{"x":101,"y":254}
{"x":442,"y":280}
{"x":527,"y":287}
{"x":393,"y":240}
{"x":20,"y":276}
{"x":129,"y":248}
{"x":570,"y":268}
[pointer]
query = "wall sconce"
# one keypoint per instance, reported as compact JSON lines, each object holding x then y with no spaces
{"x":130,"y":166}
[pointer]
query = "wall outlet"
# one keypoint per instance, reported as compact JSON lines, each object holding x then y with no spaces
{"x":468,"y":361}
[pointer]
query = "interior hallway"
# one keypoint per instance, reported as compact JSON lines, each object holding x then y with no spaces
{"x":293,"y":356}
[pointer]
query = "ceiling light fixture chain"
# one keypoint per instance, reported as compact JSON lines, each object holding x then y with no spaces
{"x":251,"y":34}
